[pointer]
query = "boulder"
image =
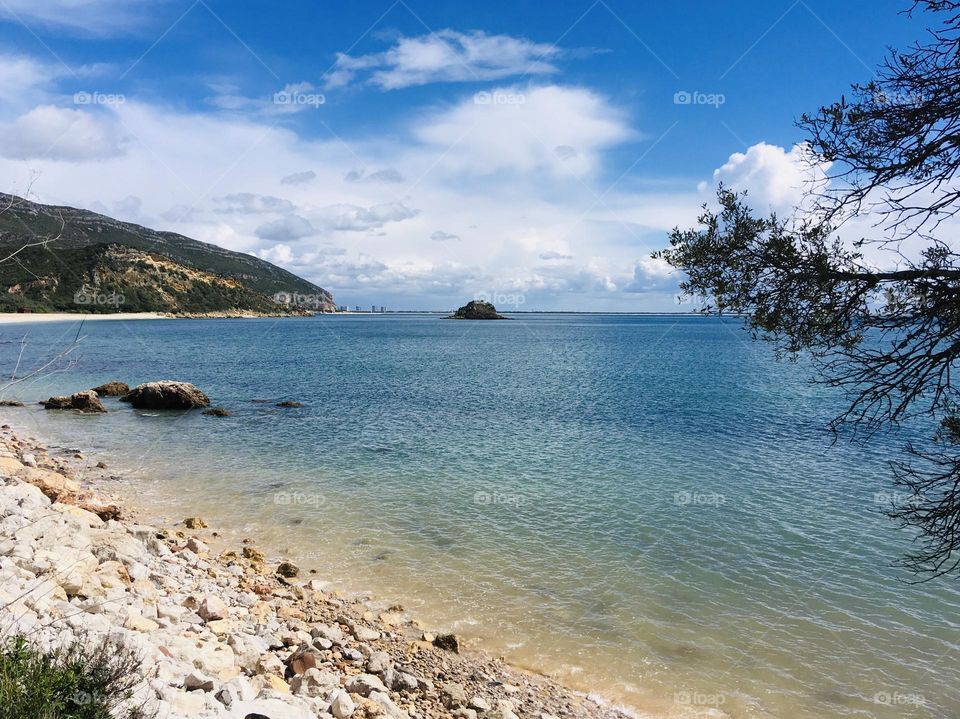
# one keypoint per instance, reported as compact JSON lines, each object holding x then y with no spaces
{"x":288,"y":570}
{"x":166,"y":394}
{"x":112,"y":389}
{"x":10,"y":403}
{"x":449,"y":642}
{"x":289,"y":403}
{"x":86,"y":401}
{"x":53,"y":485}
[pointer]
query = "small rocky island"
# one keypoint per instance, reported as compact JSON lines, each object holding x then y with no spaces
{"x":477,"y":310}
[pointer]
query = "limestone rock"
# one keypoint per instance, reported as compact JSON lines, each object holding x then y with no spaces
{"x":166,"y":394}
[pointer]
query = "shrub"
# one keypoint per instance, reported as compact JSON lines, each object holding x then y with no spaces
{"x":82,"y":680}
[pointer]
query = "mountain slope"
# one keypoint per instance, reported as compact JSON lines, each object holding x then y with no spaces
{"x":149,"y":270}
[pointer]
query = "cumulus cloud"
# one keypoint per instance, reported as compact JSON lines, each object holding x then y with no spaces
{"x":441,"y":236}
{"x":298,"y":178}
{"x":57,"y":133}
{"x":775,"y":178}
{"x":651,"y":275}
{"x":279,"y":254}
{"x":387,"y":175}
{"x":357,"y":219}
{"x":251,"y":203}
{"x":445,"y":56}
{"x":289,"y":228}
{"x":521,"y":132}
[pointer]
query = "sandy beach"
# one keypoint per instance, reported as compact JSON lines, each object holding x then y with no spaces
{"x":18,"y":318}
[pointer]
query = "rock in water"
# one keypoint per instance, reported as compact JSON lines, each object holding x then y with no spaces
{"x":289,"y":403}
{"x":449,"y":642}
{"x":112,"y":388}
{"x":477,"y":310}
{"x":10,"y":403}
{"x":87,"y":401}
{"x":216,"y":412}
{"x":166,"y":394}
{"x":288,"y":570}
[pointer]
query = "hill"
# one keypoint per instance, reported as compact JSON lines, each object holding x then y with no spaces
{"x":100,"y":264}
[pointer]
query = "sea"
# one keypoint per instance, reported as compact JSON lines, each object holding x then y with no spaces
{"x":649,"y":508}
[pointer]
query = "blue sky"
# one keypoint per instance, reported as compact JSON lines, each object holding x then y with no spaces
{"x":417,"y":154}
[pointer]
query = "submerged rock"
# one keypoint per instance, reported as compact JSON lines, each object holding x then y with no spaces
{"x":112,"y":388}
{"x":86,"y":401}
{"x":216,"y":412}
{"x":166,"y":394}
{"x":289,"y":403}
{"x":477,"y":310}
{"x":10,"y":403}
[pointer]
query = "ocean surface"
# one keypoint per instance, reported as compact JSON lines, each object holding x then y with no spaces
{"x":645,"y":506}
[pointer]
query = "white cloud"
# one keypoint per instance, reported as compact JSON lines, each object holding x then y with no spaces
{"x":298,"y":178}
{"x":57,"y":133}
{"x":279,"y":254}
{"x":554,"y":255}
{"x":441,"y":236}
{"x":251,"y":203}
{"x":219,"y":177}
{"x":93,"y":17}
{"x":446,"y":56}
{"x":523,"y":135}
{"x":651,"y":275}
{"x":289,"y":228}
{"x":387,"y":175}
{"x":355,"y":218}
{"x":774,"y":178}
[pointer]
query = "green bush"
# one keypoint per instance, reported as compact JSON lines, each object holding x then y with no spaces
{"x":83,"y":680}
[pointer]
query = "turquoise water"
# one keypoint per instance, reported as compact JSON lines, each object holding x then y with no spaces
{"x":648,"y":506}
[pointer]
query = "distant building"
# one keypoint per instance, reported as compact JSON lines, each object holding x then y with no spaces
{"x":382,"y":308}
{"x":357,"y":308}
{"x":373,"y":308}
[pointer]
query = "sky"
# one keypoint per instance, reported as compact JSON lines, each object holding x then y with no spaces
{"x":417,"y":154}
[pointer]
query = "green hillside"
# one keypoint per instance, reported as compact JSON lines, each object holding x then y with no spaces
{"x":145,"y":270}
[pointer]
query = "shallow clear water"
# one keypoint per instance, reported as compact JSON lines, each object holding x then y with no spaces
{"x":645,"y":505}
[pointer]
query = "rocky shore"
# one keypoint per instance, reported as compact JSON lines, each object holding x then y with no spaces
{"x":227,"y":632}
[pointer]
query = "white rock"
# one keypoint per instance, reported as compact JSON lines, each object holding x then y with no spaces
{"x":198,"y":680}
{"x":363,"y":684}
{"x":341,"y":705}
{"x":212,"y":608}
